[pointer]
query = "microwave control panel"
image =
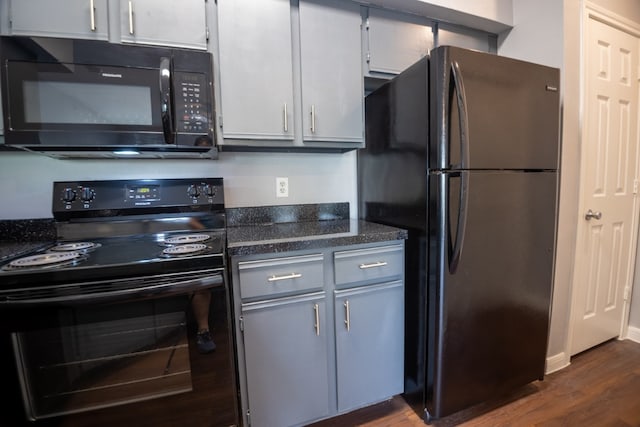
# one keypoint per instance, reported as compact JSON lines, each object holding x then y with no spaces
{"x":192,"y":102}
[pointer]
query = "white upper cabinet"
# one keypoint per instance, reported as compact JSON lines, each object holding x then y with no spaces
{"x":164,"y":22}
{"x":331,"y":71}
{"x":256,"y":80}
{"x":395,"y":41}
{"x":452,"y":35}
{"x":86,"y":19}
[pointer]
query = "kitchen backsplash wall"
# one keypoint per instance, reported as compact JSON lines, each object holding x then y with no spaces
{"x":249,"y":178}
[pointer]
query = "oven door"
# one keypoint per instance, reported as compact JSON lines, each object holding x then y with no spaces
{"x":119,"y":353}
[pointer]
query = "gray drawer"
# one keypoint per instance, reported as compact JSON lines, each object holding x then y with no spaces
{"x":276,"y":276}
{"x":373,"y":264}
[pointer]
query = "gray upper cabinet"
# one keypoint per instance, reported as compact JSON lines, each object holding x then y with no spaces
{"x":164,"y":22}
{"x":394,"y":40}
{"x":256,"y":81}
{"x":86,"y":19}
{"x":290,"y":74}
{"x":468,"y":38}
{"x":332,"y":88}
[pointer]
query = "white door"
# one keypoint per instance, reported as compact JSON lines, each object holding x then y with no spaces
{"x":604,"y":253}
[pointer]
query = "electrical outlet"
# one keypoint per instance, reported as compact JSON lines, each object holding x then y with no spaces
{"x":282,"y":187}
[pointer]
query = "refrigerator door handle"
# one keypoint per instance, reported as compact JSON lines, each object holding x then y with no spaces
{"x":461,"y":225}
{"x":462,"y":114}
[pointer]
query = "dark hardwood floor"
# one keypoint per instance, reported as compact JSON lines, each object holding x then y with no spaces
{"x":600,"y":388}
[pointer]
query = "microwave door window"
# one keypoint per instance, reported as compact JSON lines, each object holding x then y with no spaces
{"x":52,"y":102}
{"x":50,"y":97}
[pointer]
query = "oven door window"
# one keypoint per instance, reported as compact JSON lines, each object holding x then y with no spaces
{"x":76,"y":97}
{"x":102,"y":356}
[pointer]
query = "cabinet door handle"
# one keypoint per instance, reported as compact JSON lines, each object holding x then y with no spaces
{"x":92,"y":10}
{"x":286,"y":118}
{"x":275,"y":278}
{"x":372,"y":265}
{"x":131,"y":17}
{"x":316,"y":310}
{"x":347,"y":318}
{"x":313,"y":118}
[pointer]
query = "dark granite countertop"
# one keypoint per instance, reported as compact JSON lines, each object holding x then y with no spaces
{"x":293,"y":236}
{"x":19,"y":237}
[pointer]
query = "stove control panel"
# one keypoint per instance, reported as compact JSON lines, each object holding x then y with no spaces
{"x":78,"y":199}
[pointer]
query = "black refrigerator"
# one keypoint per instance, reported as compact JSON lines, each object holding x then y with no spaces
{"x":462,"y":150}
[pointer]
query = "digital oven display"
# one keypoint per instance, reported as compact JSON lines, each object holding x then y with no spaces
{"x":143,"y":193}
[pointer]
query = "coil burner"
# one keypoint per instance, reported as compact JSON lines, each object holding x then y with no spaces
{"x":186,"y":238}
{"x":45,"y":260}
{"x":184,"y":250}
{"x":75,"y":246}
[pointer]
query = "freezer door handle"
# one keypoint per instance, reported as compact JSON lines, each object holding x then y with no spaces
{"x":461,"y":223}
{"x":462,"y":116}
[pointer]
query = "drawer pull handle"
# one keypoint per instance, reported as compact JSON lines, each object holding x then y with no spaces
{"x":316,"y":309}
{"x":372,"y":265}
{"x":347,"y":317}
{"x":275,"y":278}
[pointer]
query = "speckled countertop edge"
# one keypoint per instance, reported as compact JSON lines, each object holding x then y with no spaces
{"x":274,"y":229}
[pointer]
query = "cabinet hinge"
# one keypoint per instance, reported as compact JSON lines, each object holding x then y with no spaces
{"x":220,"y":121}
{"x":207,"y":34}
{"x":248,"y":418}
{"x":241,"y":324}
{"x":635,"y":186}
{"x":368,"y":57}
{"x":366,"y":24}
{"x":626,"y":293}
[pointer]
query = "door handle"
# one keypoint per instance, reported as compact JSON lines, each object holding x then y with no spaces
{"x":591,"y":214}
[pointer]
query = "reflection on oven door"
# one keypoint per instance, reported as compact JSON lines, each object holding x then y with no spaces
{"x":93,"y":360}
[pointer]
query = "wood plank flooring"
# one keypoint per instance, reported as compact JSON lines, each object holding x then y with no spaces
{"x":600,"y":388}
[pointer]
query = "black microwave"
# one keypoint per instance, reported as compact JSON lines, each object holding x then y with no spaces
{"x":85,"y":98}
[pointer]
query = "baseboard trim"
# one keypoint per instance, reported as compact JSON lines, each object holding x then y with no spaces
{"x":557,"y":362}
{"x":633,"y":334}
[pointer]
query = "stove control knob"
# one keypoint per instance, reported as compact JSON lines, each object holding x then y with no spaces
{"x":68,"y":195}
{"x":193,"y":191}
{"x":87,"y":194}
{"x":210,"y":190}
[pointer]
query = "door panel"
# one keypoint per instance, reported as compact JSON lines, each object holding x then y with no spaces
{"x":513,"y":112}
{"x":490,"y":309}
{"x":604,"y":247}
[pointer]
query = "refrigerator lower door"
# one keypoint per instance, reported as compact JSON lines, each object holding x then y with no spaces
{"x":490,"y":265}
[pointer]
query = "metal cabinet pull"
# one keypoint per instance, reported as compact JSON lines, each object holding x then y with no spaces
{"x":372,"y":265}
{"x":316,"y":309}
{"x":131,"y":17}
{"x":347,"y":319}
{"x":286,"y":118}
{"x":313,"y":118}
{"x":92,"y":11}
{"x":275,"y":278}
{"x":591,"y":214}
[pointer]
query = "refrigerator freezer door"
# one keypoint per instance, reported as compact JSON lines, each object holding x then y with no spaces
{"x":512,"y":112}
{"x":489,"y":288}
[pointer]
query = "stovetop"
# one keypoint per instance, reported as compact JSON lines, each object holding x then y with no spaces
{"x":116,"y":257}
{"x":108,"y":230}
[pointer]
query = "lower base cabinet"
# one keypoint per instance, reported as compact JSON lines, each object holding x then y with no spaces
{"x":319,"y":333}
{"x":286,"y":361}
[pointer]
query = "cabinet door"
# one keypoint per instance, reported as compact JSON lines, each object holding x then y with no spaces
{"x":85,"y":19}
{"x":285,"y":347}
{"x":256,"y":83}
{"x":396,"y":40}
{"x":331,"y":70}
{"x":369,"y":344}
{"x":164,"y":22}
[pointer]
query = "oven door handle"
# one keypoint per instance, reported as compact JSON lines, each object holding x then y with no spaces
{"x":152,"y":291}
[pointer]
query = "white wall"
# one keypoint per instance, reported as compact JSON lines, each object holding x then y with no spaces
{"x":249,"y":178}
